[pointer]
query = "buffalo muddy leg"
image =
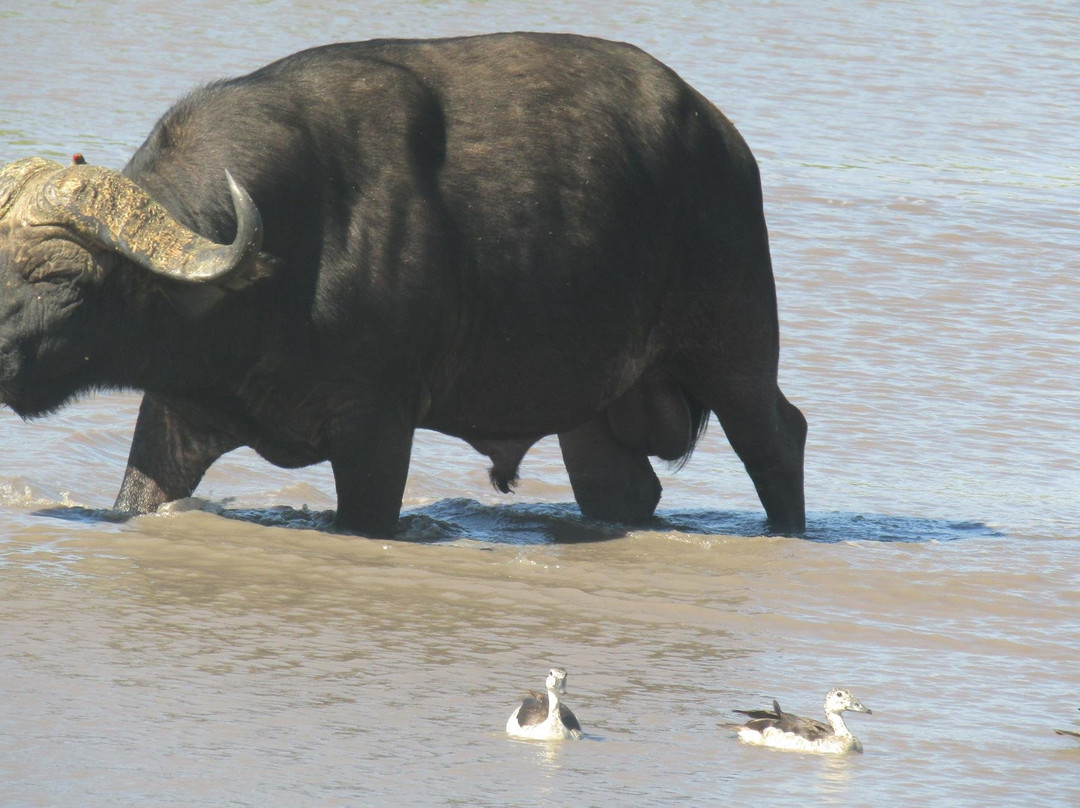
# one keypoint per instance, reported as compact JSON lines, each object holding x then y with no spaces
{"x":611,"y":481}
{"x":170,"y":452}
{"x":370,"y":458}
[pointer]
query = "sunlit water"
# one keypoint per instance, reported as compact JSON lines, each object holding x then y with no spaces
{"x":922,"y":180}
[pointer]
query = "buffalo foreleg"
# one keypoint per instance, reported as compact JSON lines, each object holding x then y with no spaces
{"x":370,"y":458}
{"x":611,"y":481}
{"x":171,"y":450}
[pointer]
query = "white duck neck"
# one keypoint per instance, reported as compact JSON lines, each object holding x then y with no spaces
{"x":553,"y":703}
{"x":838,"y":725}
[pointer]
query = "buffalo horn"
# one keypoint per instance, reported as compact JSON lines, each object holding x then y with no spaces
{"x":111,"y":209}
{"x":14,"y":176}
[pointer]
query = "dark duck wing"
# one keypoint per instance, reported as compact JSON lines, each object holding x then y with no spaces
{"x":1068,"y":732}
{"x":533,"y":709}
{"x":568,"y":718}
{"x":761,"y":720}
{"x":806,"y":727}
{"x":762,"y":714}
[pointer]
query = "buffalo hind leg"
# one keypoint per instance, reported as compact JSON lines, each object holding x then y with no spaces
{"x":769,"y":435}
{"x":171,"y":450}
{"x":370,"y":459}
{"x":611,"y":482}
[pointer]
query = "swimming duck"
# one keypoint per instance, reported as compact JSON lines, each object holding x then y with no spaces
{"x":542,"y":716}
{"x":1067,"y":732}
{"x":786,"y":731}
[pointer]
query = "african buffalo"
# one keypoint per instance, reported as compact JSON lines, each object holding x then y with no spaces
{"x":497,"y":237}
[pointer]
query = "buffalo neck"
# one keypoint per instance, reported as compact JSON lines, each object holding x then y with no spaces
{"x":159,"y":347}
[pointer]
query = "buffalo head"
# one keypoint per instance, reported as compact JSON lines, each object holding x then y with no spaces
{"x":65,"y":234}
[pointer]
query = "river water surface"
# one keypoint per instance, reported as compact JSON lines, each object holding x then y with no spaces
{"x":921,"y":169}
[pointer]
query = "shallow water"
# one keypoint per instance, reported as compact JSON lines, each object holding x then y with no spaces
{"x":921,"y":173}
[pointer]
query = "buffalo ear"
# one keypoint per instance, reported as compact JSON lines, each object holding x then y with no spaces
{"x":195,"y":300}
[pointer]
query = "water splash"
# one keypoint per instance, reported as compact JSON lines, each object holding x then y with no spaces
{"x":458,"y":519}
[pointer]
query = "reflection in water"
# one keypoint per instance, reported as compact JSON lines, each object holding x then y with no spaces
{"x":835,"y":778}
{"x":548,"y":755}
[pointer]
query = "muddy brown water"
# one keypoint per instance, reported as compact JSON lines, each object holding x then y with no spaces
{"x":921,"y":170}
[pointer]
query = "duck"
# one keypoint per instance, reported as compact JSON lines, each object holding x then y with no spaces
{"x":1068,"y":732}
{"x":781,"y":730}
{"x":542,"y":716}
